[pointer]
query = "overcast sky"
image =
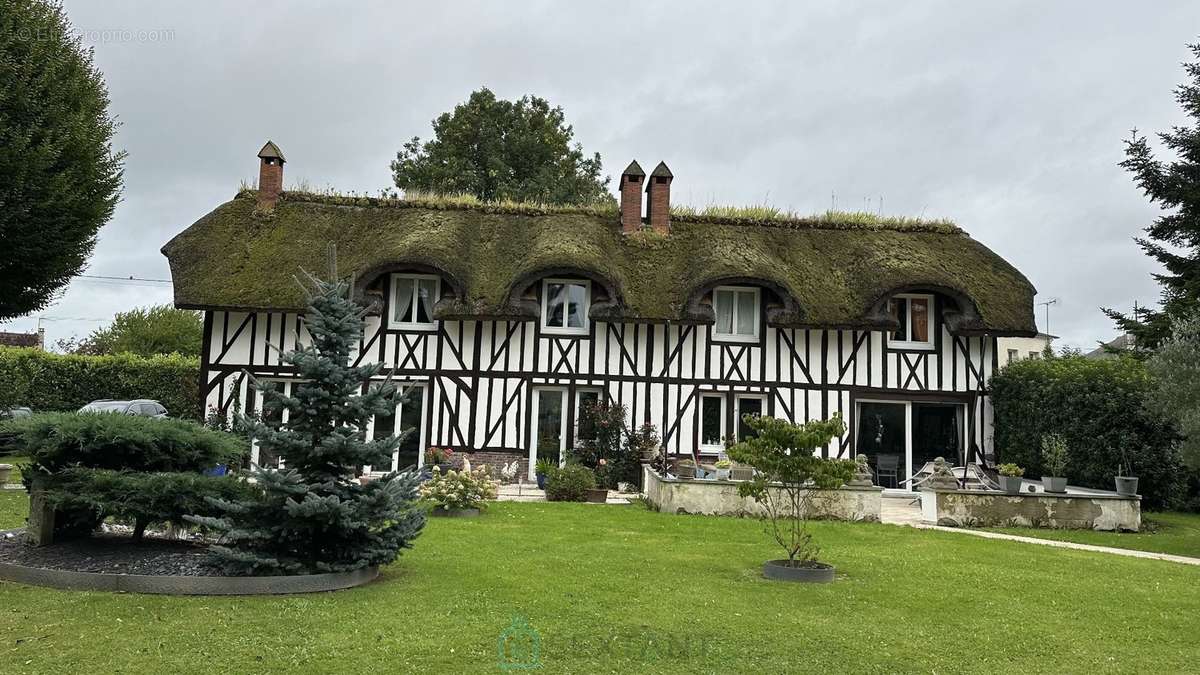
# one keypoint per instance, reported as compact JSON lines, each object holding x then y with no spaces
{"x":1007,"y":117}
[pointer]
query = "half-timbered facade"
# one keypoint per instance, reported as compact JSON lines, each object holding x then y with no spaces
{"x":503,"y":321}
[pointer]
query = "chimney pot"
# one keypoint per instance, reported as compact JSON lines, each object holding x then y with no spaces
{"x":658,"y":198}
{"x":631,"y":197}
{"x":270,"y":175}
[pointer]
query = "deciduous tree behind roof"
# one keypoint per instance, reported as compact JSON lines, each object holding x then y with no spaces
{"x":59,"y":177}
{"x":496,"y":149}
{"x":148,"y":331}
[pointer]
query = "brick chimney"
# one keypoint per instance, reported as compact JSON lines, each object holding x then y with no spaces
{"x":270,"y":175}
{"x":631,"y":197}
{"x":658,"y":198}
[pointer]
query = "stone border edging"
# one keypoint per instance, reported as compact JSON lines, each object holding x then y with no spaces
{"x":185,"y":585}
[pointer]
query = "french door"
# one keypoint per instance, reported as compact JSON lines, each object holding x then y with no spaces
{"x":901,"y":437}
{"x":551,"y":431}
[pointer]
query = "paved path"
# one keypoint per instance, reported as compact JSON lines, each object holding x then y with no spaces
{"x":511,"y":492}
{"x":901,"y":511}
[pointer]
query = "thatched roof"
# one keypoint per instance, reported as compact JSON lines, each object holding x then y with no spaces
{"x":827,"y":273}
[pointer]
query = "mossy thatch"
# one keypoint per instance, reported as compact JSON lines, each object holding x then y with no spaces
{"x":836,"y":269}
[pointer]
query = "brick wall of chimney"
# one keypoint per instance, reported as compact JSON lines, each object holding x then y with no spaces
{"x":270,"y":182}
{"x":631,"y":203}
{"x":658,"y":203}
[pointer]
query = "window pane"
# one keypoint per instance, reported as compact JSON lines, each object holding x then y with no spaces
{"x":899,"y":310}
{"x":710,"y":420}
{"x":723,"y":304}
{"x":747,"y":313}
{"x":411,"y":417}
{"x":403,"y":295}
{"x":585,"y":417}
{"x":385,"y":425}
{"x":555,"y":297}
{"x":919,"y":309}
{"x":747,"y":406}
{"x":576,"y":297}
{"x":426,"y":296}
{"x":549,"y":425}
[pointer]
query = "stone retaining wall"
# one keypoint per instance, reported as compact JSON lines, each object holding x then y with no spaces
{"x":976,"y":508}
{"x":720,"y":498}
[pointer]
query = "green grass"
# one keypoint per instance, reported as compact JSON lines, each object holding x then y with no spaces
{"x":622,"y":589}
{"x":1175,"y":533}
{"x":14,"y":506}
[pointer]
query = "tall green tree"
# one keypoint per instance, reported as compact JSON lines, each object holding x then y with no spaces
{"x":59,"y":176}
{"x":148,"y":331}
{"x":496,"y":149}
{"x":1176,"y":392}
{"x":314,"y":515}
{"x":1173,"y":239}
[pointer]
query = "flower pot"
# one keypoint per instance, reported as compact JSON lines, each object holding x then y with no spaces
{"x":6,"y":473}
{"x":1011,"y":484}
{"x":723,"y":474}
{"x":647,"y":456}
{"x":444,"y":512}
{"x":1126,"y":485}
{"x":541,"y":480}
{"x":1054,"y":484}
{"x":685,"y":471}
{"x":741,"y":473}
{"x":597,"y":496}
{"x":812,"y":573}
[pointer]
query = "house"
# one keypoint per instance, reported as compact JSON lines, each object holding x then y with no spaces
{"x":504,"y":318}
{"x":1113,"y":348}
{"x":1013,"y":349}
{"x":35,"y":340}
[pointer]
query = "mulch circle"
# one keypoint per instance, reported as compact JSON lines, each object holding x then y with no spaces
{"x":111,"y":554}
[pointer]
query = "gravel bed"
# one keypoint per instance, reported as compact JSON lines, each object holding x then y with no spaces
{"x":111,"y":554}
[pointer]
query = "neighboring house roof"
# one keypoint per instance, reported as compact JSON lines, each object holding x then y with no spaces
{"x":20,"y":339}
{"x":835,"y":274}
{"x":1120,"y":343}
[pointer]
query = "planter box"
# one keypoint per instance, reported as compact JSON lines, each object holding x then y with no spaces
{"x":1011,"y":484}
{"x":817,"y":573}
{"x":1126,"y":486}
{"x":597,"y":496}
{"x":980,"y":508}
{"x":1056,"y":484}
{"x":721,"y":498}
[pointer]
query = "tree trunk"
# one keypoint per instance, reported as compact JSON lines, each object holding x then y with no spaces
{"x":139,"y":529}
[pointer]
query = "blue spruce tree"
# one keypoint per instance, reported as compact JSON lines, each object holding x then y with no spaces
{"x":314,"y":516}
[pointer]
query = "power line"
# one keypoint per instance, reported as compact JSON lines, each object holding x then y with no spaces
{"x":129,"y":278}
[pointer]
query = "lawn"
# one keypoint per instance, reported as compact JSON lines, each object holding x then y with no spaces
{"x":621,"y":589}
{"x":1177,"y":533}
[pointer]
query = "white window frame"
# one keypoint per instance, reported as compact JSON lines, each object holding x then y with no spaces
{"x":395,"y":288}
{"x":600,"y":396}
{"x":737,"y":408}
{"x":720,"y":445}
{"x":587,"y":305}
{"x":421,"y":432}
{"x":907,"y":318}
{"x":562,"y":424}
{"x":961,"y":411}
{"x":720,"y":336}
{"x":286,"y":389}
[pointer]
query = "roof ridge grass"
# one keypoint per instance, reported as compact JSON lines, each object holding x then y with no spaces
{"x":748,"y":216}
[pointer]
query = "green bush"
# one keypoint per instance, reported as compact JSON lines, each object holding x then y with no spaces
{"x":85,"y":497}
{"x":1098,"y":407}
{"x":569,"y":483}
{"x":58,"y":441}
{"x":66,"y":382}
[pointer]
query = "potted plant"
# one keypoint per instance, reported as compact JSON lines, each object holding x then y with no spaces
{"x":459,"y":493}
{"x":1054,"y":463}
{"x":724,"y":468}
{"x":541,"y":470}
{"x":1010,"y":478}
{"x":685,"y":468}
{"x":570,"y":483}
{"x":443,"y":458}
{"x":787,"y":475}
{"x":1126,"y":483}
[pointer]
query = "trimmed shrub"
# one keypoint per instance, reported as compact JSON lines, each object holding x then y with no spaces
{"x":1098,"y":407}
{"x":569,"y":483}
{"x":67,"y":382}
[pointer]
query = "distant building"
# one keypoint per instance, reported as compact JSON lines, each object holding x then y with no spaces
{"x":36,"y":340}
{"x":1013,"y":349}
{"x":1112,"y":348}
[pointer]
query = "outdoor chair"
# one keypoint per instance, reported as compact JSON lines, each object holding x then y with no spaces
{"x":887,"y":466}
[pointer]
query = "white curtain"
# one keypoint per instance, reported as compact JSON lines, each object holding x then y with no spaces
{"x":746,"y":314}
{"x":403,"y":296}
{"x":427,"y":295}
{"x":723,"y":304}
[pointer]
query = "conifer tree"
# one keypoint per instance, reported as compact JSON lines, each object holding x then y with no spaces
{"x":1174,"y":238}
{"x":314,"y":515}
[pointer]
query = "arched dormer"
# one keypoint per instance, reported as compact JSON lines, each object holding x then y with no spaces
{"x":565,"y":300}
{"x":739,"y":308}
{"x":914,"y":314}
{"x":409,"y":295}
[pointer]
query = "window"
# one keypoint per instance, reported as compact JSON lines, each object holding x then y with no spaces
{"x":586,"y":402}
{"x":746,"y":405}
{"x":565,"y":306}
{"x":736,"y":308}
{"x":712,"y":421}
{"x":1034,"y":355}
{"x":1012,"y":356}
{"x":914,"y":313}
{"x":413,"y":296}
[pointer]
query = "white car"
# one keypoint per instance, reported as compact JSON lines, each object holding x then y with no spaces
{"x":141,"y":406}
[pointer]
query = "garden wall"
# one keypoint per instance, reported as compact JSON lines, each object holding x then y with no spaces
{"x":721,"y":498}
{"x":977,"y":508}
{"x":66,"y":382}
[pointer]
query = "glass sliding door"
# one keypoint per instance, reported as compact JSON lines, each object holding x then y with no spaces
{"x":937,"y":432}
{"x":883,"y":437}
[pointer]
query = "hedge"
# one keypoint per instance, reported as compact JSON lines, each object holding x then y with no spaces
{"x":66,"y":382}
{"x":1099,"y":407}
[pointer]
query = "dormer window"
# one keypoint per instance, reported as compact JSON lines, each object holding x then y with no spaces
{"x":737,"y":310}
{"x":413,"y":296}
{"x":565,"y":306}
{"x":914,"y":313}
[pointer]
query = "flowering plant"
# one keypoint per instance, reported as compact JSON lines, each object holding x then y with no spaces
{"x":436,"y":455}
{"x":466,"y":489}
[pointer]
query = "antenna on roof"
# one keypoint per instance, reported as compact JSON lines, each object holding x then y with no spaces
{"x":1046,"y":304}
{"x":880,"y":211}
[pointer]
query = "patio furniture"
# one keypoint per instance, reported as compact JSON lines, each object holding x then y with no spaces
{"x":887,"y":466}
